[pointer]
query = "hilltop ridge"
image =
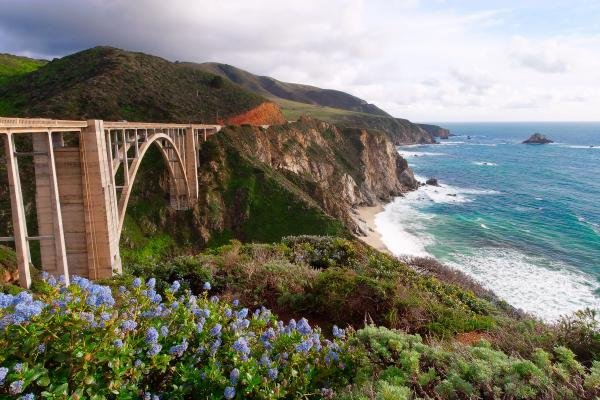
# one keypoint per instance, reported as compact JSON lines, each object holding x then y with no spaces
{"x":335,"y":106}
{"x":276,"y":89}
{"x":113,"y":84}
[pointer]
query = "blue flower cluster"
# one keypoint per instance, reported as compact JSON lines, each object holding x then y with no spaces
{"x":19,"y":309}
{"x":136,"y":323}
{"x":97,"y":295}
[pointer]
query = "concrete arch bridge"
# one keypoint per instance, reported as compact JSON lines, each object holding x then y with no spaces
{"x":84,"y":175}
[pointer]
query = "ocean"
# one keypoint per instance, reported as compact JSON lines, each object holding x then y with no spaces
{"x":523,"y":220}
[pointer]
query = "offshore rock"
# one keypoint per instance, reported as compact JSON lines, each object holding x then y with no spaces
{"x":432,"y":182}
{"x":538,"y":138}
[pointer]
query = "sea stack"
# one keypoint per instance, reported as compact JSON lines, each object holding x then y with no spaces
{"x":432,"y":182}
{"x":538,"y":138}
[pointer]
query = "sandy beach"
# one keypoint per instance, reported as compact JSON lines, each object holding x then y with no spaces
{"x":365,"y":218}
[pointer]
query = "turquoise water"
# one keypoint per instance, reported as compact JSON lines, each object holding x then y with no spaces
{"x":524,"y":220}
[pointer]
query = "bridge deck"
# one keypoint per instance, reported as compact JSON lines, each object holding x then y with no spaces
{"x":32,"y":125}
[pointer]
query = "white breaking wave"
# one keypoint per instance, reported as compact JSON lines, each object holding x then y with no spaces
{"x":593,"y":147}
{"x":405,"y":153}
{"x":485,"y":163}
{"x":444,"y":193}
{"x":576,"y":146}
{"x":401,"y":230}
{"x":548,"y":291}
{"x":534,"y":284}
{"x":450,"y":143}
{"x":483,"y":144}
{"x":401,"y":223}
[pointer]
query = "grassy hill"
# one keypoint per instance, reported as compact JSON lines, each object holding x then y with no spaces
{"x":329,"y":105}
{"x":276,"y":89}
{"x":14,"y":66}
{"x":113,"y":84}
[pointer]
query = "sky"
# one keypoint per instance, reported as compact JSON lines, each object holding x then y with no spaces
{"x":423,"y":60}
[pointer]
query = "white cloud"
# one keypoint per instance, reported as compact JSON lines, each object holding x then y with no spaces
{"x":417,"y":62}
{"x":543,"y":57}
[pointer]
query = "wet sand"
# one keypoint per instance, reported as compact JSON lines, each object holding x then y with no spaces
{"x":365,"y":218}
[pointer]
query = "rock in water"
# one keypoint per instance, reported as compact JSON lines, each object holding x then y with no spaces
{"x":432,"y":182}
{"x":538,"y":138}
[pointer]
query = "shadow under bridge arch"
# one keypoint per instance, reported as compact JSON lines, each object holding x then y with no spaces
{"x":179,"y":184}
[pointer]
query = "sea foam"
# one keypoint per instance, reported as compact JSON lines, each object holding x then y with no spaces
{"x":407,"y":154}
{"x":548,"y":291}
{"x":534,"y":284}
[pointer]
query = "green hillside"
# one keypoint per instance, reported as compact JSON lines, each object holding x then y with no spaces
{"x":276,"y":89}
{"x":113,"y":84}
{"x":14,"y":66}
{"x":334,"y":106}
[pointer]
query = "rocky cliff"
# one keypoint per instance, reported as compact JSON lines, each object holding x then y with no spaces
{"x":435,"y":130}
{"x":261,"y":184}
{"x":349,"y":166}
{"x":334,"y":168}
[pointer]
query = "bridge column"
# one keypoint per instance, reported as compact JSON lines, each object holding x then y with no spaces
{"x":18,"y":212}
{"x":48,"y":206}
{"x":191,"y":163}
{"x":100,"y":203}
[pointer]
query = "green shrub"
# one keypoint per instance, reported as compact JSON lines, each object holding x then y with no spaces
{"x":321,"y":251}
{"x":472,"y":371}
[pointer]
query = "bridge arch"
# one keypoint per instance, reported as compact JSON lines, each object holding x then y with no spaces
{"x":179,"y":185}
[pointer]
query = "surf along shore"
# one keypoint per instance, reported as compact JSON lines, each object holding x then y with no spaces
{"x":365,"y":218}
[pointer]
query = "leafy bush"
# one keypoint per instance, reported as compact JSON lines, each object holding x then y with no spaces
{"x":86,"y":341}
{"x":579,"y":332}
{"x":401,"y":361}
{"x":331,"y":279}
{"x":320,"y":251}
{"x":93,"y":341}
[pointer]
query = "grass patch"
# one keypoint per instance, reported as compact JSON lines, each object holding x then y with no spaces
{"x":14,"y":66}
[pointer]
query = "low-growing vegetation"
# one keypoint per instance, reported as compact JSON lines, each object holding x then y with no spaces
{"x":333,"y":279}
{"x":152,"y":339}
{"x":340,"y":281}
{"x":86,"y":341}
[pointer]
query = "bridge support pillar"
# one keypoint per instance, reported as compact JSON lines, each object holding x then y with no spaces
{"x":99,"y":203}
{"x":18,"y":212}
{"x":191,"y":163}
{"x":48,"y":207}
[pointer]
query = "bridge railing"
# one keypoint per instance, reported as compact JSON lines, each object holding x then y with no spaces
{"x":32,"y":125}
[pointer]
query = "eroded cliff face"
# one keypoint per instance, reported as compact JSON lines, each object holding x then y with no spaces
{"x":260,"y":184}
{"x":267,"y":113}
{"x":335,"y":168}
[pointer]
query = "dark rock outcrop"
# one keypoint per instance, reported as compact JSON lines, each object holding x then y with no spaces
{"x":432,"y":182}
{"x":538,"y":138}
{"x":435,"y":131}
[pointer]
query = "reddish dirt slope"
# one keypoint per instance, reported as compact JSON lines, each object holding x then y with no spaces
{"x":265,"y":114}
